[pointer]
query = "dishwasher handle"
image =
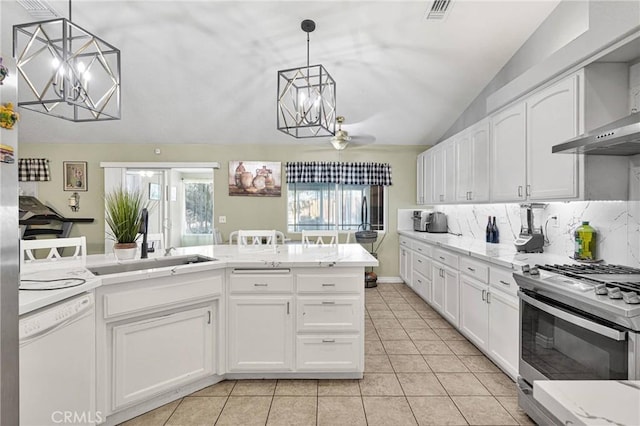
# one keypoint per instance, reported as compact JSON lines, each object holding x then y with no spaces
{"x":44,"y":323}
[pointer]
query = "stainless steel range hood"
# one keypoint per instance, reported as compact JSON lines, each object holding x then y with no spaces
{"x":622,"y":137}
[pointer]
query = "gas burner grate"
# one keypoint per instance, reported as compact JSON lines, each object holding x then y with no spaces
{"x":577,"y":270}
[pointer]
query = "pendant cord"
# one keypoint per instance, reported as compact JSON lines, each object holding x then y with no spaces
{"x":70,"y":11}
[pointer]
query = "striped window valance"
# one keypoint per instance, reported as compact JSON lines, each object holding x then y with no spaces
{"x":33,"y":170}
{"x":335,"y":172}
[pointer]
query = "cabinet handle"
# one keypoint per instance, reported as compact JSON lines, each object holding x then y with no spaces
{"x":260,"y":284}
{"x":471,"y":269}
{"x":441,"y":258}
{"x":420,"y":281}
{"x":209,"y":319}
{"x":441,"y":197}
{"x":328,"y":340}
{"x":505,"y":283}
{"x":528,"y":190}
{"x":329,"y":302}
{"x":287,"y":308}
{"x":419,"y":261}
{"x":328,"y":285}
{"x":488,"y":297}
{"x":442,"y":273}
{"x":483,"y":295}
{"x":520,"y":191}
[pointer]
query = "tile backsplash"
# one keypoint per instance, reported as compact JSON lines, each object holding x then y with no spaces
{"x":617,"y":224}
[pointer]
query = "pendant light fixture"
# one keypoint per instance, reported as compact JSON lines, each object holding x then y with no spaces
{"x":307,"y":98}
{"x":67,"y":72}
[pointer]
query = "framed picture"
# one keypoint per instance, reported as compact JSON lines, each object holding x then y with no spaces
{"x":75,"y":175}
{"x":255,"y":178}
{"x":154,"y":191}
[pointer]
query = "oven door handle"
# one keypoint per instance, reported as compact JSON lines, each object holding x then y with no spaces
{"x":576,"y":320}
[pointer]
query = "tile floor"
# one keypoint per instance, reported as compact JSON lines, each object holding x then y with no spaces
{"x":418,"y":371}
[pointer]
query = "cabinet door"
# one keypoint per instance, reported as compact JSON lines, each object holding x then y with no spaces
{"x":451,"y":296}
{"x":464,"y":167}
{"x":158,"y":354}
{"x":474,"y":310}
{"x":437,"y":287}
{"x":329,"y":314}
{"x":552,"y":118}
{"x":422,"y":286}
{"x":503,"y":331}
{"x":260,"y":333}
{"x":508,"y":154}
{"x":405,"y":265}
{"x":479,"y":140}
{"x":449,"y":171}
{"x":438,"y":174}
{"x":420,"y":179}
{"x":328,"y":353}
{"x":428,"y":176}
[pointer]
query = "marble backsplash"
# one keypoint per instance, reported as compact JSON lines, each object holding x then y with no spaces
{"x":617,"y":224}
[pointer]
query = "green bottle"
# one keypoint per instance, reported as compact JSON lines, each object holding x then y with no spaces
{"x":585,"y":242}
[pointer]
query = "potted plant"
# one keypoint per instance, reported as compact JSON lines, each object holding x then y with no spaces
{"x":123,"y":215}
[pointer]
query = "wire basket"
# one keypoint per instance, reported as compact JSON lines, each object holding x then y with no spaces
{"x":366,"y":237}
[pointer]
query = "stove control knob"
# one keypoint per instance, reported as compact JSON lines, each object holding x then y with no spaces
{"x":534,"y":271}
{"x":631,"y":297}
{"x":615,"y":293}
{"x":601,"y":289}
{"x":525,"y":268}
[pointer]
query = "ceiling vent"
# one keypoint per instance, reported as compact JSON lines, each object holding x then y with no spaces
{"x":438,"y":10}
{"x":39,"y":9}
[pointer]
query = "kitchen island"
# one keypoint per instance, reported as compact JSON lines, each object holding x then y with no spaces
{"x":290,"y":311}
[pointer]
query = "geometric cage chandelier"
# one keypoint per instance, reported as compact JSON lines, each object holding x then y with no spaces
{"x":67,"y":72}
{"x":306,"y":98}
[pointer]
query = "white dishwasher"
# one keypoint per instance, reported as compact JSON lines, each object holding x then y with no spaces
{"x":57,"y":364}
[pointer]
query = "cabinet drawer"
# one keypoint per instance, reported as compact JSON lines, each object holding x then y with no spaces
{"x":329,"y":283}
{"x":328,"y":353}
{"x":423,"y":249}
{"x":258,"y":282}
{"x":422,"y":265}
{"x":502,"y":279}
{"x":475,"y":269}
{"x":161,"y":293}
{"x":405,"y":242}
{"x":446,"y":257}
{"x":328,"y":314}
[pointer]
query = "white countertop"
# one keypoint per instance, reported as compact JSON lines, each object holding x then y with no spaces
{"x":504,"y":255}
{"x":590,"y":402}
{"x":282,"y":256}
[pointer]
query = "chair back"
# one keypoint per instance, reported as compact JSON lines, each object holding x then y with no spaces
{"x":256,"y":237}
{"x":55,"y":246}
{"x":323,"y":238}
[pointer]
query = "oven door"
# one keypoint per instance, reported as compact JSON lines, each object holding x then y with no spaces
{"x":557,"y":343}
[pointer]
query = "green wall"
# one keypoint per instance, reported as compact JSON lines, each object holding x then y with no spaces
{"x":241,"y":212}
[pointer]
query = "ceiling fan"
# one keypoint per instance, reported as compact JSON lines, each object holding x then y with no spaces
{"x":342,"y":138}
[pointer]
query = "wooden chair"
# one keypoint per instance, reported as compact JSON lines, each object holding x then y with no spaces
{"x":323,"y":238}
{"x":79,"y":256}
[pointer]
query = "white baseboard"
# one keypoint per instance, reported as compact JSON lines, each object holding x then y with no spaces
{"x":390,"y":280}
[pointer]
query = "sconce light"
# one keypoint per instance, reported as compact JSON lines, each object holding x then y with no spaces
{"x":74,"y":202}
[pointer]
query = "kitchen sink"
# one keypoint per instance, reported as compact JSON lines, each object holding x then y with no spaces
{"x":140,"y":265}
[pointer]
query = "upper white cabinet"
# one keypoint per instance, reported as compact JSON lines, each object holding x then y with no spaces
{"x":508,"y":154}
{"x":443,"y":173}
{"x":472,"y":164}
{"x":421,"y":178}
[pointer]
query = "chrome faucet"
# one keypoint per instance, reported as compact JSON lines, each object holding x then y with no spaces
{"x":144,"y":228}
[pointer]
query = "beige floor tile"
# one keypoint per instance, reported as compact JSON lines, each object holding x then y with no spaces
{"x":370,"y":334}
{"x":412,"y":323}
{"x":368,"y":322}
{"x":392,"y":334}
{"x":395,"y":307}
{"x":499,"y":384}
{"x":435,"y":410}
{"x":423,"y":334}
{"x":510,"y":403}
{"x":197,"y":411}
{"x":449,"y":334}
{"x":373,"y":347}
{"x":407,"y":314}
{"x":340,"y":411}
{"x":254,"y":387}
{"x":292,"y":411}
{"x":386,"y":322}
{"x":388,"y":410}
{"x":432,"y":347}
{"x":462,"y":347}
{"x":377,"y":364}
{"x":479,"y":364}
{"x":219,"y":389}
{"x":483,"y":410}
{"x":377,"y":306}
{"x":154,"y":417}
{"x":297,"y":388}
{"x":437,"y":322}
{"x":380,"y":384}
{"x":377,"y":315}
{"x":245,"y":410}
{"x":462,"y":384}
{"x":335,"y":387}
{"x":400,"y":347}
{"x":409,"y":364}
{"x":445,"y":364}
{"x":420,"y":384}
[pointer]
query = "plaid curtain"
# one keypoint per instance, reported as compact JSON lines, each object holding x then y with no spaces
{"x":33,"y":169}
{"x":334,"y":172}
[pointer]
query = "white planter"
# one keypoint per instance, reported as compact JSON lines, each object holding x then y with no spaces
{"x":125,"y":253}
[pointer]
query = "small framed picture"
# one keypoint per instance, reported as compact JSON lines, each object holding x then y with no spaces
{"x":75,"y":175}
{"x":154,"y":191}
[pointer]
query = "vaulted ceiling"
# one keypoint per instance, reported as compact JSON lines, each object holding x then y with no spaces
{"x":205,"y":71}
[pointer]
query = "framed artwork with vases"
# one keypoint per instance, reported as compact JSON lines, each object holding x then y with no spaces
{"x":75,"y":175}
{"x":255,"y":178}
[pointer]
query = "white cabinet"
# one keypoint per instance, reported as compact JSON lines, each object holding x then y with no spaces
{"x":472,"y":164}
{"x":444,"y":172}
{"x":160,"y":353}
{"x":328,"y":314}
{"x":474,"y":311}
{"x":444,"y":291}
{"x":552,"y":118}
{"x":260,"y":333}
{"x":503,"y":331}
{"x":508,"y":154}
{"x":405,"y":264}
{"x":437,"y":286}
{"x":327,"y":353}
{"x":421,"y":178}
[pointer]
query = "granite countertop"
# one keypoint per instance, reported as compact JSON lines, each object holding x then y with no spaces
{"x":504,"y":255}
{"x":590,"y":402}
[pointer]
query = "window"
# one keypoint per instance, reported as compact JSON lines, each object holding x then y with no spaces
{"x":319,"y":206}
{"x":198,"y":207}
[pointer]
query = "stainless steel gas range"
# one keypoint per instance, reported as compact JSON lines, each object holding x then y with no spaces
{"x":577,"y":322}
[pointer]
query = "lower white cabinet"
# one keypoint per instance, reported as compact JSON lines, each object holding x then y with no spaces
{"x":260,"y":331}
{"x":504,"y":317}
{"x":160,"y":353}
{"x":422,"y":286}
{"x":451,"y":296}
{"x":405,"y":265}
{"x":328,"y":353}
{"x":328,"y":314}
{"x":437,"y":286}
{"x":474,"y":310}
